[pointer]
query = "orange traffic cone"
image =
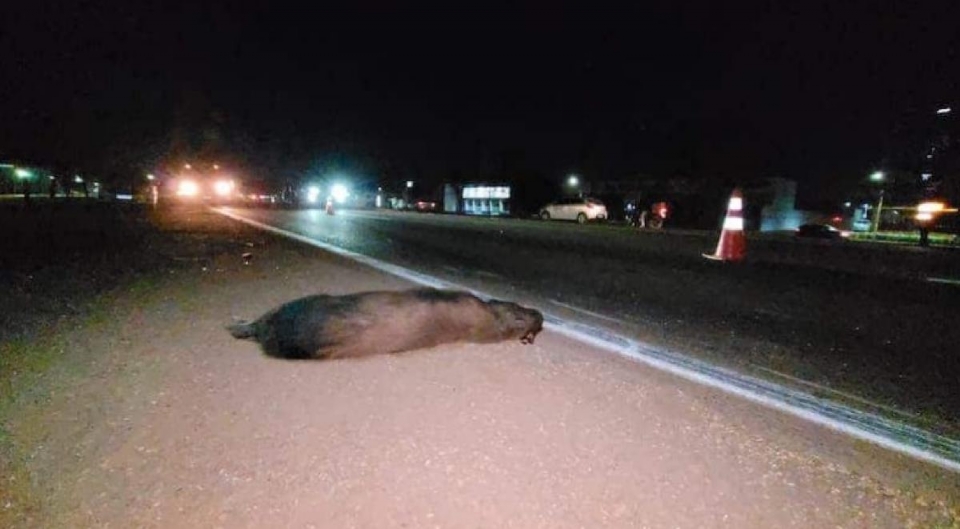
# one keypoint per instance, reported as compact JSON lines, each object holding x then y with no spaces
{"x":732,"y":245}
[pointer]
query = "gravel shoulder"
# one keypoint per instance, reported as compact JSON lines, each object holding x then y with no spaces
{"x":148,"y":414}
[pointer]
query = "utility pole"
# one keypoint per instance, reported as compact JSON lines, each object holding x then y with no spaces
{"x":876,"y":214}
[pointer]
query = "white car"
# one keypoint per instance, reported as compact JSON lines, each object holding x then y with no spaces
{"x":578,"y":209}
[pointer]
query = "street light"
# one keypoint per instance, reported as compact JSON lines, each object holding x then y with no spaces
{"x":24,"y":174}
{"x":877,"y":176}
{"x":409,"y":184}
{"x":150,"y":177}
{"x":944,"y":110}
{"x":573,"y":180}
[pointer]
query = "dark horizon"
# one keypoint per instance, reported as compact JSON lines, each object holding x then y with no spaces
{"x":823,"y":94}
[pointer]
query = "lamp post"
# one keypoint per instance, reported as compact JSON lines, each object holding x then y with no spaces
{"x":877,"y":177}
{"x":573,"y":182}
{"x":154,"y":190}
{"x":79,"y":180}
{"x":408,"y":194}
{"x":25,"y":176}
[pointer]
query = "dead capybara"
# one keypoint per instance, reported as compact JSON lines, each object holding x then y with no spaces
{"x":324,"y":326}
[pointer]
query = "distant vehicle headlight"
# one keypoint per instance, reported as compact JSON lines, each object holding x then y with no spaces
{"x":313,"y":194}
{"x":340,"y":193}
{"x":223,"y":187}
{"x":187,"y":188}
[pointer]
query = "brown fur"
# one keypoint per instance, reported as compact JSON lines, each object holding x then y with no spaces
{"x":386,"y":322}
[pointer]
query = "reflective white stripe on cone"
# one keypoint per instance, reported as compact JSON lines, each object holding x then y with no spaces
{"x":732,"y":245}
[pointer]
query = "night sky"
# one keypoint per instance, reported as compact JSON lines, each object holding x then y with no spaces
{"x":819,"y":92}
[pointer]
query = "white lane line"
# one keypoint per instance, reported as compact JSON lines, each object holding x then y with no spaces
{"x":826,"y":389}
{"x":893,"y":435}
{"x":585,"y":311}
{"x":944,"y":280}
{"x":398,"y":271}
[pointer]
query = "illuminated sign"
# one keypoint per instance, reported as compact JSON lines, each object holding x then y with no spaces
{"x":486,"y":192}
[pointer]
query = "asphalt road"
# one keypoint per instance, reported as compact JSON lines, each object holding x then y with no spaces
{"x":137,"y":409}
{"x":856,"y":323}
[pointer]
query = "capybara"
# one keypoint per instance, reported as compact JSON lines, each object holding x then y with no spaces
{"x":354,"y":325}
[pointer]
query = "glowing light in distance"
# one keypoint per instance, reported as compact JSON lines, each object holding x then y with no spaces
{"x":223,"y":187}
{"x":313,"y":193}
{"x":340,"y":193}
{"x":926,"y":210}
{"x":187,"y":188}
{"x":930,"y":207}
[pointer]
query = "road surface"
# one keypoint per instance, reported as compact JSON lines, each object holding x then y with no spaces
{"x":151,"y":415}
{"x":852,"y":322}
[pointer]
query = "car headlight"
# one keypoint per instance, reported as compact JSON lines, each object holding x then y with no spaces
{"x":187,"y":188}
{"x":340,"y":193}
{"x":223,"y":187}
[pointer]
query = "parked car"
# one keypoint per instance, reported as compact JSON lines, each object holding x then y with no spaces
{"x":578,"y":209}
{"x":819,"y":231}
{"x":259,"y":193}
{"x":425,"y":206}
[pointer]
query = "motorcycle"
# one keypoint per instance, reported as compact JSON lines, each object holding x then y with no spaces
{"x":652,"y":218}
